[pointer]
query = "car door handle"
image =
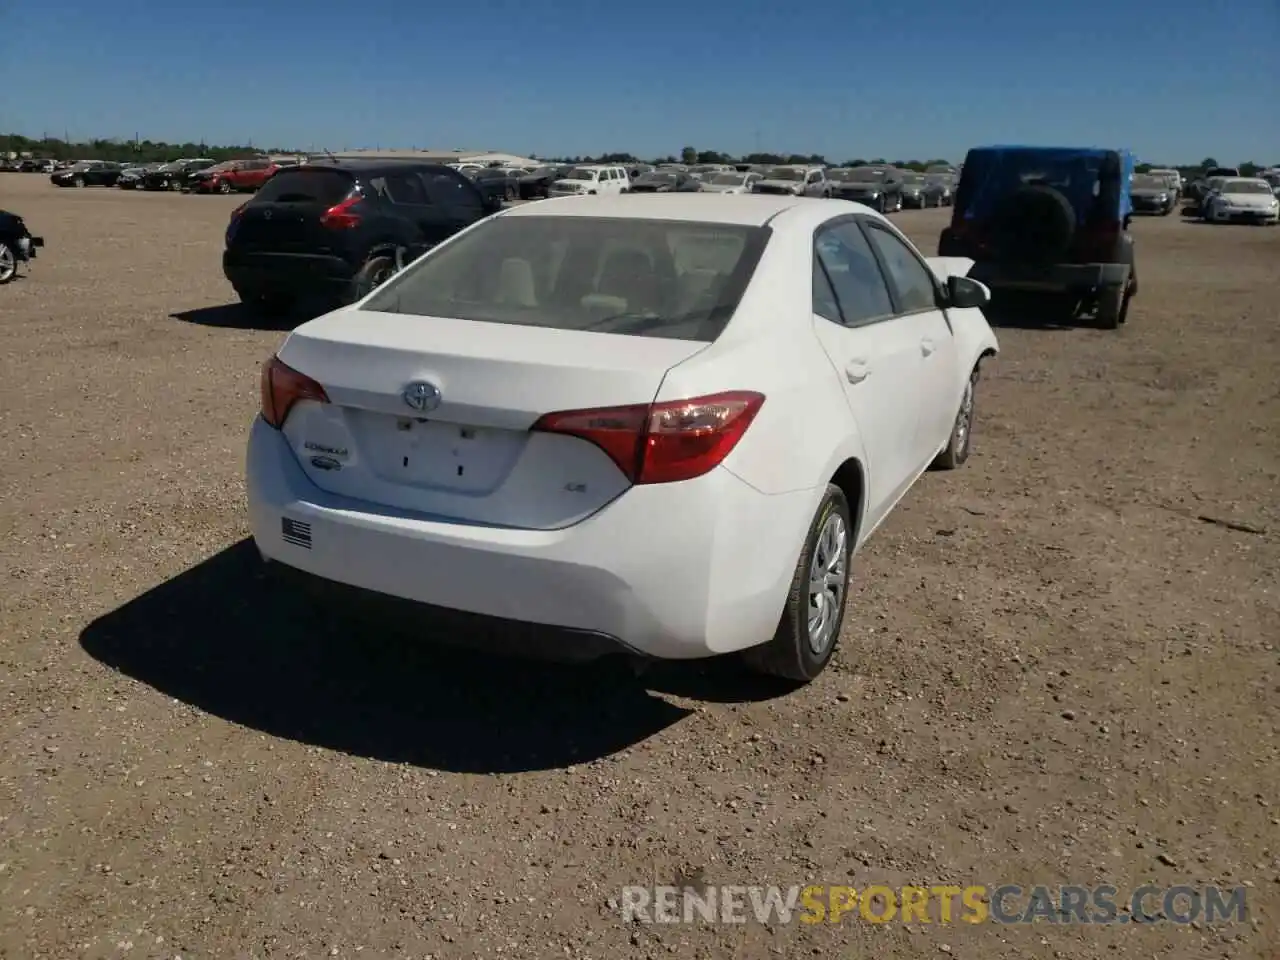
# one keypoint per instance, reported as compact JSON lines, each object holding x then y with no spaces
{"x":927,"y":346}
{"x":857,"y":371}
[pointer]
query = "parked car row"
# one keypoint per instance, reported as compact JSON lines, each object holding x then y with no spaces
{"x":189,"y":174}
{"x":885,"y":188}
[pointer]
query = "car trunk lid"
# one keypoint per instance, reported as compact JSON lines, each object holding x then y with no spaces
{"x":472,"y":456}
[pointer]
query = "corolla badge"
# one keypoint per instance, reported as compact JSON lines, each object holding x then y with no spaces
{"x":421,"y":396}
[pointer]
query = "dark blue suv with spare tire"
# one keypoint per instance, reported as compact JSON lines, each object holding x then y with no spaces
{"x":1049,"y":219}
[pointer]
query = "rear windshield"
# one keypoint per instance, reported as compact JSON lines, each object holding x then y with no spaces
{"x":306,"y":185}
{"x":649,"y":278}
{"x":1146,"y":182}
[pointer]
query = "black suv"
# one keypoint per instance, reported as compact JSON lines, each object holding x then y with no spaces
{"x":333,"y":231}
{"x":1052,"y":219}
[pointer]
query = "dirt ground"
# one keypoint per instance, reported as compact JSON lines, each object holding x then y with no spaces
{"x":1060,"y":665}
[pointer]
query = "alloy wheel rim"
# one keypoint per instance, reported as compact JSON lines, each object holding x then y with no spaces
{"x":828,"y":573}
{"x":965,"y":418}
{"x":8,"y":263}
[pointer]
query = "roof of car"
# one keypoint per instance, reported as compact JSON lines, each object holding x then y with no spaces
{"x":753,"y":210}
{"x":705,"y":208}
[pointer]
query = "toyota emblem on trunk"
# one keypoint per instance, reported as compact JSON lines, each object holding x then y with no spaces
{"x":422,"y":396}
{"x":266,"y":214}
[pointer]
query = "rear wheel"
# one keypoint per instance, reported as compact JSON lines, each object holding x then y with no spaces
{"x":375,"y":272}
{"x":809,"y":630}
{"x":224,"y":186}
{"x":79,"y":181}
{"x":1113,"y":307}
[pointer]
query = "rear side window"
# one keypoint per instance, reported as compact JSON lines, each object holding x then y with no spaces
{"x":652,"y":278}
{"x":452,"y":191}
{"x":306,"y":186}
{"x":399,"y":188}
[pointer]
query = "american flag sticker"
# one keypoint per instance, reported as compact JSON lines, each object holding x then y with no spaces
{"x":296,"y":532}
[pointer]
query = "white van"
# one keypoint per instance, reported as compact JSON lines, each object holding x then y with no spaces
{"x":591,"y":179}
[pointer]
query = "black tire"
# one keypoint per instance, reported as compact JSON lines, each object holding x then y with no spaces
{"x":78,"y":181}
{"x":224,"y":186}
{"x":880,"y":204}
{"x":1113,"y":307}
{"x":8,"y":262}
{"x":1034,"y":224}
{"x":376,"y":271}
{"x":789,"y":655}
{"x":956,"y":452}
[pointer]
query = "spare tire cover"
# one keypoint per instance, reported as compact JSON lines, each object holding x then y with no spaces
{"x":1034,"y":223}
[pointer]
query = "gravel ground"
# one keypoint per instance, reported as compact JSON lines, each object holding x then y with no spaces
{"x":1060,"y":666}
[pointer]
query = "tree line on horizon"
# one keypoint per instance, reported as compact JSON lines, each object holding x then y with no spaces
{"x":150,"y":151}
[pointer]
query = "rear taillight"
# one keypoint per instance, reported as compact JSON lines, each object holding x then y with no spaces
{"x":342,"y":216}
{"x":663,"y":442}
{"x":238,"y":211}
{"x":282,"y":387}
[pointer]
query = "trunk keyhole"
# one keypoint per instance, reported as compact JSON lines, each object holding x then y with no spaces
{"x":406,"y":461}
{"x":459,"y":469}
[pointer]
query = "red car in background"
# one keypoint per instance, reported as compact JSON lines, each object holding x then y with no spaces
{"x":233,"y":176}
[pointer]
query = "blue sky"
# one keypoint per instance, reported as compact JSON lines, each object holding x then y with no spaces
{"x":1172,"y":79}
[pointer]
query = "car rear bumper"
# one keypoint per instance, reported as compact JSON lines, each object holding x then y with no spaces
{"x":286,"y":273}
{"x":674,"y":571}
{"x":1050,"y":277}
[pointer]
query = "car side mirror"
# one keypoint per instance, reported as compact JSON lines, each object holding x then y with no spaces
{"x":965,"y":292}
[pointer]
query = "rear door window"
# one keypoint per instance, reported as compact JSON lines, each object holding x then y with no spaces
{"x":853,"y":274}
{"x":402,"y":189}
{"x":306,"y":185}
{"x":912,"y":280}
{"x":453,"y":191}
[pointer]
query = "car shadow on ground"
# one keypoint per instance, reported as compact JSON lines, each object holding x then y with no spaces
{"x":227,"y":639}
{"x":236,"y":316}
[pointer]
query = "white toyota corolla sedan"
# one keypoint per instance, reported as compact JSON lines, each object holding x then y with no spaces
{"x":657,"y":424}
